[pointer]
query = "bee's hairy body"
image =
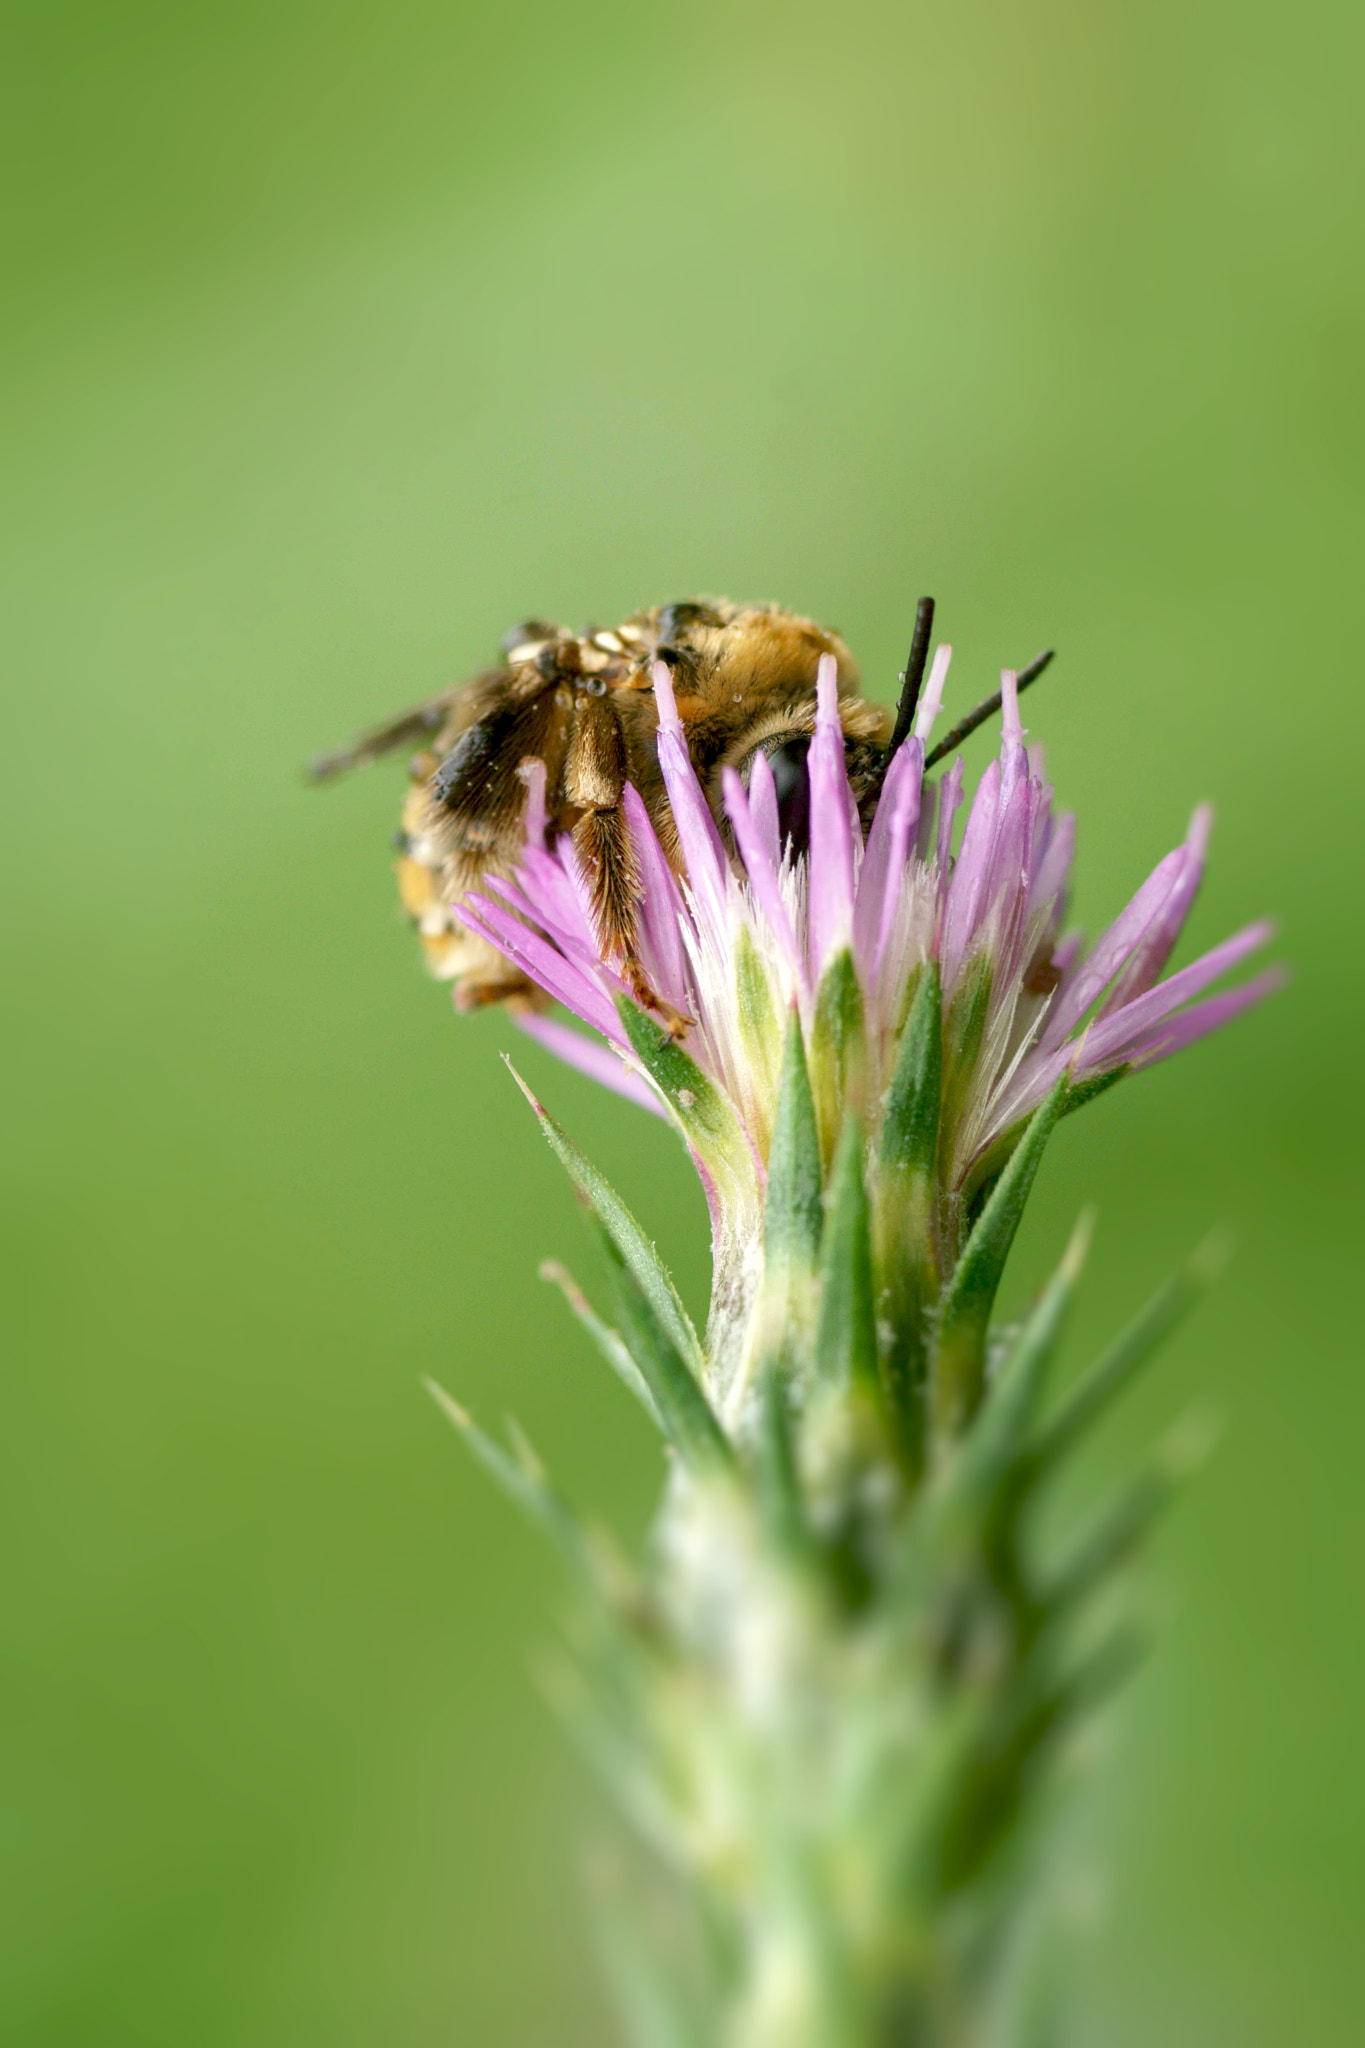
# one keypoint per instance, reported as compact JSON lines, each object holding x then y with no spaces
{"x":582,"y":703}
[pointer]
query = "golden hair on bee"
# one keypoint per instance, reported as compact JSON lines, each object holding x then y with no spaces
{"x":744,"y":680}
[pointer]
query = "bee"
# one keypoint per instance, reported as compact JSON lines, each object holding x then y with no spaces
{"x":744,"y":679}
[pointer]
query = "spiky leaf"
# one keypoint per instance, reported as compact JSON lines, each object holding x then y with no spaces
{"x":608,"y":1341}
{"x":999,"y":1436}
{"x":792,"y":1214}
{"x":846,"y":1334}
{"x":958,"y":1355}
{"x":837,"y":1049}
{"x":1130,"y":1350}
{"x":1123,"y":1525}
{"x":779,"y":1481}
{"x":523,"y":1480}
{"x":905,"y":1220}
{"x":633,"y":1248}
{"x":687,"y":1416}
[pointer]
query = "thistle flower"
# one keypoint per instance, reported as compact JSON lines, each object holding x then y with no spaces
{"x":833,"y":1700}
{"x":842,"y":935}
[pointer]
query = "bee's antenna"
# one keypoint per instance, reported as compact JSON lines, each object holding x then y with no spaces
{"x":913,"y":678}
{"x":965,"y":727}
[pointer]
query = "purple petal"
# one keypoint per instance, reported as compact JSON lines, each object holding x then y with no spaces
{"x":1109,"y":1038}
{"x":1052,"y":869}
{"x":1157,"y":944}
{"x":831,"y":826}
{"x":597,"y":1061}
{"x":931,"y":702}
{"x":575,"y":874}
{"x":1003,"y":908}
{"x":1195,"y":1023}
{"x":950,"y":796}
{"x":759,"y":868}
{"x":661,"y":905}
{"x":1113,"y":948}
{"x":969,"y":875}
{"x":702,"y":851}
{"x":559,"y":905}
{"x":569,"y":937}
{"x":545,"y":965}
{"x":1013,"y":759}
{"x":763,"y":807}
{"x":1032,"y":1080}
{"x":888,"y":849}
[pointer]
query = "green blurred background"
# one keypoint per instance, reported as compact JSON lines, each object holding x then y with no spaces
{"x":339,"y":337}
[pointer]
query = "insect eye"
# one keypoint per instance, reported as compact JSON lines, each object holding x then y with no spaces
{"x":787,"y":756}
{"x":528,"y":633}
{"x":676,"y":618}
{"x":596,"y":686}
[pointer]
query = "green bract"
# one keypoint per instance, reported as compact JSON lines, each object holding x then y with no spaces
{"x":834,"y":1703}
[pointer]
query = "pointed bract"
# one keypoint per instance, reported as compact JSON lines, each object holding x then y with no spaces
{"x":634,"y":1249}
{"x":957,"y":1362}
{"x":846,"y":1332}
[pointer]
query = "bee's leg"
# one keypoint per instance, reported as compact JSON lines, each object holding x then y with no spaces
{"x":594,"y":778}
{"x":454,"y":953}
{"x":477,"y":991}
{"x":417,"y":724}
{"x":603,"y":844}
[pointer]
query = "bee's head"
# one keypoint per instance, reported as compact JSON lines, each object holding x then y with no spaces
{"x":788,"y":758}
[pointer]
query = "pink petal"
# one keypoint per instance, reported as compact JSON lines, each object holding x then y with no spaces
{"x":546,"y":966}
{"x":1004,"y":900}
{"x":888,"y":849}
{"x":831,"y":825}
{"x":576,"y":876}
{"x":758,"y":866}
{"x":969,"y":875}
{"x":1195,"y":1023}
{"x":1013,"y":759}
{"x":931,"y":702}
{"x":595,"y":1060}
{"x":560,"y":905}
{"x":763,"y":807}
{"x":702,"y":851}
{"x":1157,"y":944}
{"x":950,"y":796}
{"x":661,"y":905}
{"x":1107,"y":1041}
{"x":572,"y":939}
{"x":1052,"y":869}
{"x":1114,"y":947}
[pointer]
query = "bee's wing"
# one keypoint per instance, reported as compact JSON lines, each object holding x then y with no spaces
{"x":417,"y":724}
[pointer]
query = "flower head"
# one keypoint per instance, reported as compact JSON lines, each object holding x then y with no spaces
{"x":842,"y":932}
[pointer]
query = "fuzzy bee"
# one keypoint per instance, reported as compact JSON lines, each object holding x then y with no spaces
{"x":744,"y":679}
